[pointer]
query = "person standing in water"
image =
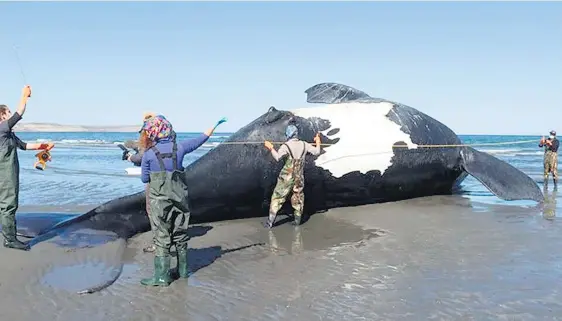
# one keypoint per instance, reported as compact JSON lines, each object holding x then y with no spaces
{"x":291,"y":177}
{"x":550,"y":145}
{"x":10,"y":169}
{"x":162,"y":170}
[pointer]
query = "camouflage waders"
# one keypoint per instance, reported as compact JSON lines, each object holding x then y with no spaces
{"x":9,"y":195}
{"x":291,"y":179}
{"x":169,"y":213}
{"x":550,"y":166}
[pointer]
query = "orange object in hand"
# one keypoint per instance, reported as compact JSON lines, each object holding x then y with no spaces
{"x":42,"y":158}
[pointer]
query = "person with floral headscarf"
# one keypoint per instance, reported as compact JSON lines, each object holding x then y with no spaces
{"x":162,"y":170}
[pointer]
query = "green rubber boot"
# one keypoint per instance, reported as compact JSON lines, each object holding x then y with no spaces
{"x":183,"y":269}
{"x":16,"y":244}
{"x":10,"y":239}
{"x":161,"y":272}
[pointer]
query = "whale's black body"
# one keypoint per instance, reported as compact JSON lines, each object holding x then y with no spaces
{"x":236,"y":180}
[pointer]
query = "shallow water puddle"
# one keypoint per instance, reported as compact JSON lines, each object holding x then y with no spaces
{"x":319,"y":233}
{"x":83,"y":238}
{"x":78,"y":277}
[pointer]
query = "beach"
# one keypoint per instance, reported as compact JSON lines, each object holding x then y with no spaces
{"x":469,"y":256}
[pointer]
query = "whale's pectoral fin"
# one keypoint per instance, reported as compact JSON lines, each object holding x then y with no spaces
{"x":502,"y":179}
{"x":332,"y":93}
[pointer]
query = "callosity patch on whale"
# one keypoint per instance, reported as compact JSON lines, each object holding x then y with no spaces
{"x":365,"y":138}
{"x":501,"y":178}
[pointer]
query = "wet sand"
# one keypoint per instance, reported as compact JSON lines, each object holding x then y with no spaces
{"x":435,"y":258}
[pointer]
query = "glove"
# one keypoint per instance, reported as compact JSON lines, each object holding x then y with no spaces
{"x":268,"y":145}
{"x":317,"y":139}
{"x":223,"y":120}
{"x":126,"y":155}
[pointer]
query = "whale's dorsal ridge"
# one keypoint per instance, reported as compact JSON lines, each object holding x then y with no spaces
{"x":334,"y":93}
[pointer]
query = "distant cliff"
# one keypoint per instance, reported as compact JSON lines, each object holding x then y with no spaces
{"x":52,"y":127}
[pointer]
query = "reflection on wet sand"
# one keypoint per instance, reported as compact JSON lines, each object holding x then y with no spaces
{"x":439,"y":258}
{"x":549,"y":210}
{"x":321,"y":234}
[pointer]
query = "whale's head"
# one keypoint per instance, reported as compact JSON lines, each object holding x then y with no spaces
{"x":241,"y":167}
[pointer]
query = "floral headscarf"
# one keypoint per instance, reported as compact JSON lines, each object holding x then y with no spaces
{"x":157,"y":128}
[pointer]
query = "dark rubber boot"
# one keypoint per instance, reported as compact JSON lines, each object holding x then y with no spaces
{"x":16,"y":244}
{"x":12,"y":242}
{"x":183,"y":269}
{"x":161,"y":272}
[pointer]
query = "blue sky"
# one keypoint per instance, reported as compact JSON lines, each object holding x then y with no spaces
{"x":492,"y":68}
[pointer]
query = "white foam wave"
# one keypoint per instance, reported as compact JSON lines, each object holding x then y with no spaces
{"x":75,"y":142}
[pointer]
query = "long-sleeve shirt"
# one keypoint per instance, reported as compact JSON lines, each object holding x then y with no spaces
{"x":298,"y":148}
{"x":136,"y":159}
{"x":7,"y":136}
{"x":149,"y":162}
{"x":553,"y":146}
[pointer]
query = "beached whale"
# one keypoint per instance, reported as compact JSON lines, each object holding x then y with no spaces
{"x":377,"y":151}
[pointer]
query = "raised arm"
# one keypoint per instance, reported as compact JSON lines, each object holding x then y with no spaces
{"x":316,"y":149}
{"x":25,"y":94}
{"x":194,"y":143}
{"x":16,"y":117}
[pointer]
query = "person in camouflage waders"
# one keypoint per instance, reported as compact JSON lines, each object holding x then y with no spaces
{"x":161,"y":168}
{"x":550,"y":145}
{"x":291,"y":177}
{"x":10,"y":170}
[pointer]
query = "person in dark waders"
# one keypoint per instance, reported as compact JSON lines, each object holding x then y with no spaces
{"x":161,"y":168}
{"x":550,"y":145}
{"x":291,"y":177}
{"x":10,"y":169}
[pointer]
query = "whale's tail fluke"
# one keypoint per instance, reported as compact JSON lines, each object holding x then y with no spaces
{"x":502,"y":179}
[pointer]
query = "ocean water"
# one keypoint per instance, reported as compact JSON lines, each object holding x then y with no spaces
{"x":86,"y":168}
